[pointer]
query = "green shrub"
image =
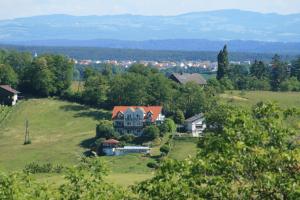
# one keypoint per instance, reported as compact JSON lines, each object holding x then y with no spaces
{"x":35,"y":168}
{"x":150,"y":133}
{"x":168,"y":126}
{"x":152,"y":165}
{"x":105,"y":129}
{"x":128,"y":138}
{"x":165,"y":149}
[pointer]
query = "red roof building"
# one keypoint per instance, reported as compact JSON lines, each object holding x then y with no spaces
{"x":133,"y":119}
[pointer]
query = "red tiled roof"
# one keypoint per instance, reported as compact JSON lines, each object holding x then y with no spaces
{"x":9,"y":89}
{"x":156,"y":110}
{"x":111,"y":141}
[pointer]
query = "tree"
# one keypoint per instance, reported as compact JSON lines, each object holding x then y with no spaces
{"x":295,"y":70}
{"x":223,"y":63}
{"x":179,"y":117}
{"x":62,"y":68}
{"x":41,"y":78}
{"x":168,"y":126}
{"x":150,"y":133}
{"x":244,"y":155}
{"x":95,"y":90}
{"x":278,"y":73}
{"x":259,"y":70}
{"x":291,"y":84}
{"x":8,"y":75}
{"x":105,"y":129}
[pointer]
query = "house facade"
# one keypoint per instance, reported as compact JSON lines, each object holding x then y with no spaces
{"x":195,"y":125}
{"x":8,"y":95}
{"x":133,"y":119}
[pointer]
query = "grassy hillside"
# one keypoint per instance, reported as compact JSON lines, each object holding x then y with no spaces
{"x":283,"y":99}
{"x":248,"y":99}
{"x":60,"y":133}
{"x":183,"y":147}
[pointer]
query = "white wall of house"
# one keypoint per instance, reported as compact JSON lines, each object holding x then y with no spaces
{"x":14,"y":100}
{"x":196,"y":127}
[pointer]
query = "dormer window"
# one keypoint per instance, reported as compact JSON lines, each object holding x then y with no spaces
{"x":120,"y":115}
{"x":149,"y":114}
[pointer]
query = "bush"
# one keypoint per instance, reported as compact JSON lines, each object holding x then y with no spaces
{"x":291,"y":84}
{"x":35,"y":168}
{"x":152,"y":165}
{"x":168,"y":126}
{"x":150,"y":133}
{"x":128,"y":138}
{"x":165,"y":149}
{"x":105,"y":129}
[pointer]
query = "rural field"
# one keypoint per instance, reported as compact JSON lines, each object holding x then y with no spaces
{"x":250,"y":98}
{"x":61,"y":132}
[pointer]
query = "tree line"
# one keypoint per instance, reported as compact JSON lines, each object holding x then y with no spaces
{"x":278,"y":75}
{"x":45,"y":75}
{"x":141,"y":85}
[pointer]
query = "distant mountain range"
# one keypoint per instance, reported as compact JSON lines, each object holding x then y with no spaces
{"x":242,"y":30}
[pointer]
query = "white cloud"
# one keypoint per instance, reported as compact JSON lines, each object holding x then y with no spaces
{"x":20,"y":8}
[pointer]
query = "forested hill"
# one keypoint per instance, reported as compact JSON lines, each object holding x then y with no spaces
{"x":173,"y":45}
{"x":135,"y":54}
{"x":211,"y":25}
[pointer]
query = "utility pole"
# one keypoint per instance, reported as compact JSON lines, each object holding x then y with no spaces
{"x":27,"y":139}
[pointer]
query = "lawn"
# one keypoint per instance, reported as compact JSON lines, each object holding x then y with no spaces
{"x":183,"y":148}
{"x":60,"y":133}
{"x":250,"y":98}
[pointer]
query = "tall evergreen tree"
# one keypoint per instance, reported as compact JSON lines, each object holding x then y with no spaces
{"x":278,"y":73}
{"x":295,"y":70}
{"x":223,"y":63}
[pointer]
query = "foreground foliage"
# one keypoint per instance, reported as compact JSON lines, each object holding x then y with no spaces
{"x":84,"y":181}
{"x":245,"y":155}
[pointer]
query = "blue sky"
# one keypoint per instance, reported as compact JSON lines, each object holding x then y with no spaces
{"x":22,"y":8}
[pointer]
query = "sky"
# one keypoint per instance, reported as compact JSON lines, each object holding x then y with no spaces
{"x":22,"y":8}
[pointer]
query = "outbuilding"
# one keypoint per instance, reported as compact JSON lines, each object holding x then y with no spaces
{"x":195,"y":125}
{"x":8,"y":95}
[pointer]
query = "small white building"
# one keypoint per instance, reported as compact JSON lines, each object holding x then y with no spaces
{"x":195,"y":125}
{"x":8,"y":95}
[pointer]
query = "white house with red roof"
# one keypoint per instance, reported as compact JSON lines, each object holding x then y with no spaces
{"x":133,"y":119}
{"x":8,"y":95}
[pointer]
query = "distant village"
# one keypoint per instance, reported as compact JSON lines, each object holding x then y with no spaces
{"x":205,"y":65}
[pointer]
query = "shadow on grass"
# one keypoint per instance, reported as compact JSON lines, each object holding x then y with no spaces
{"x":97,"y":115}
{"x":85,"y":111}
{"x":87,"y":143}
